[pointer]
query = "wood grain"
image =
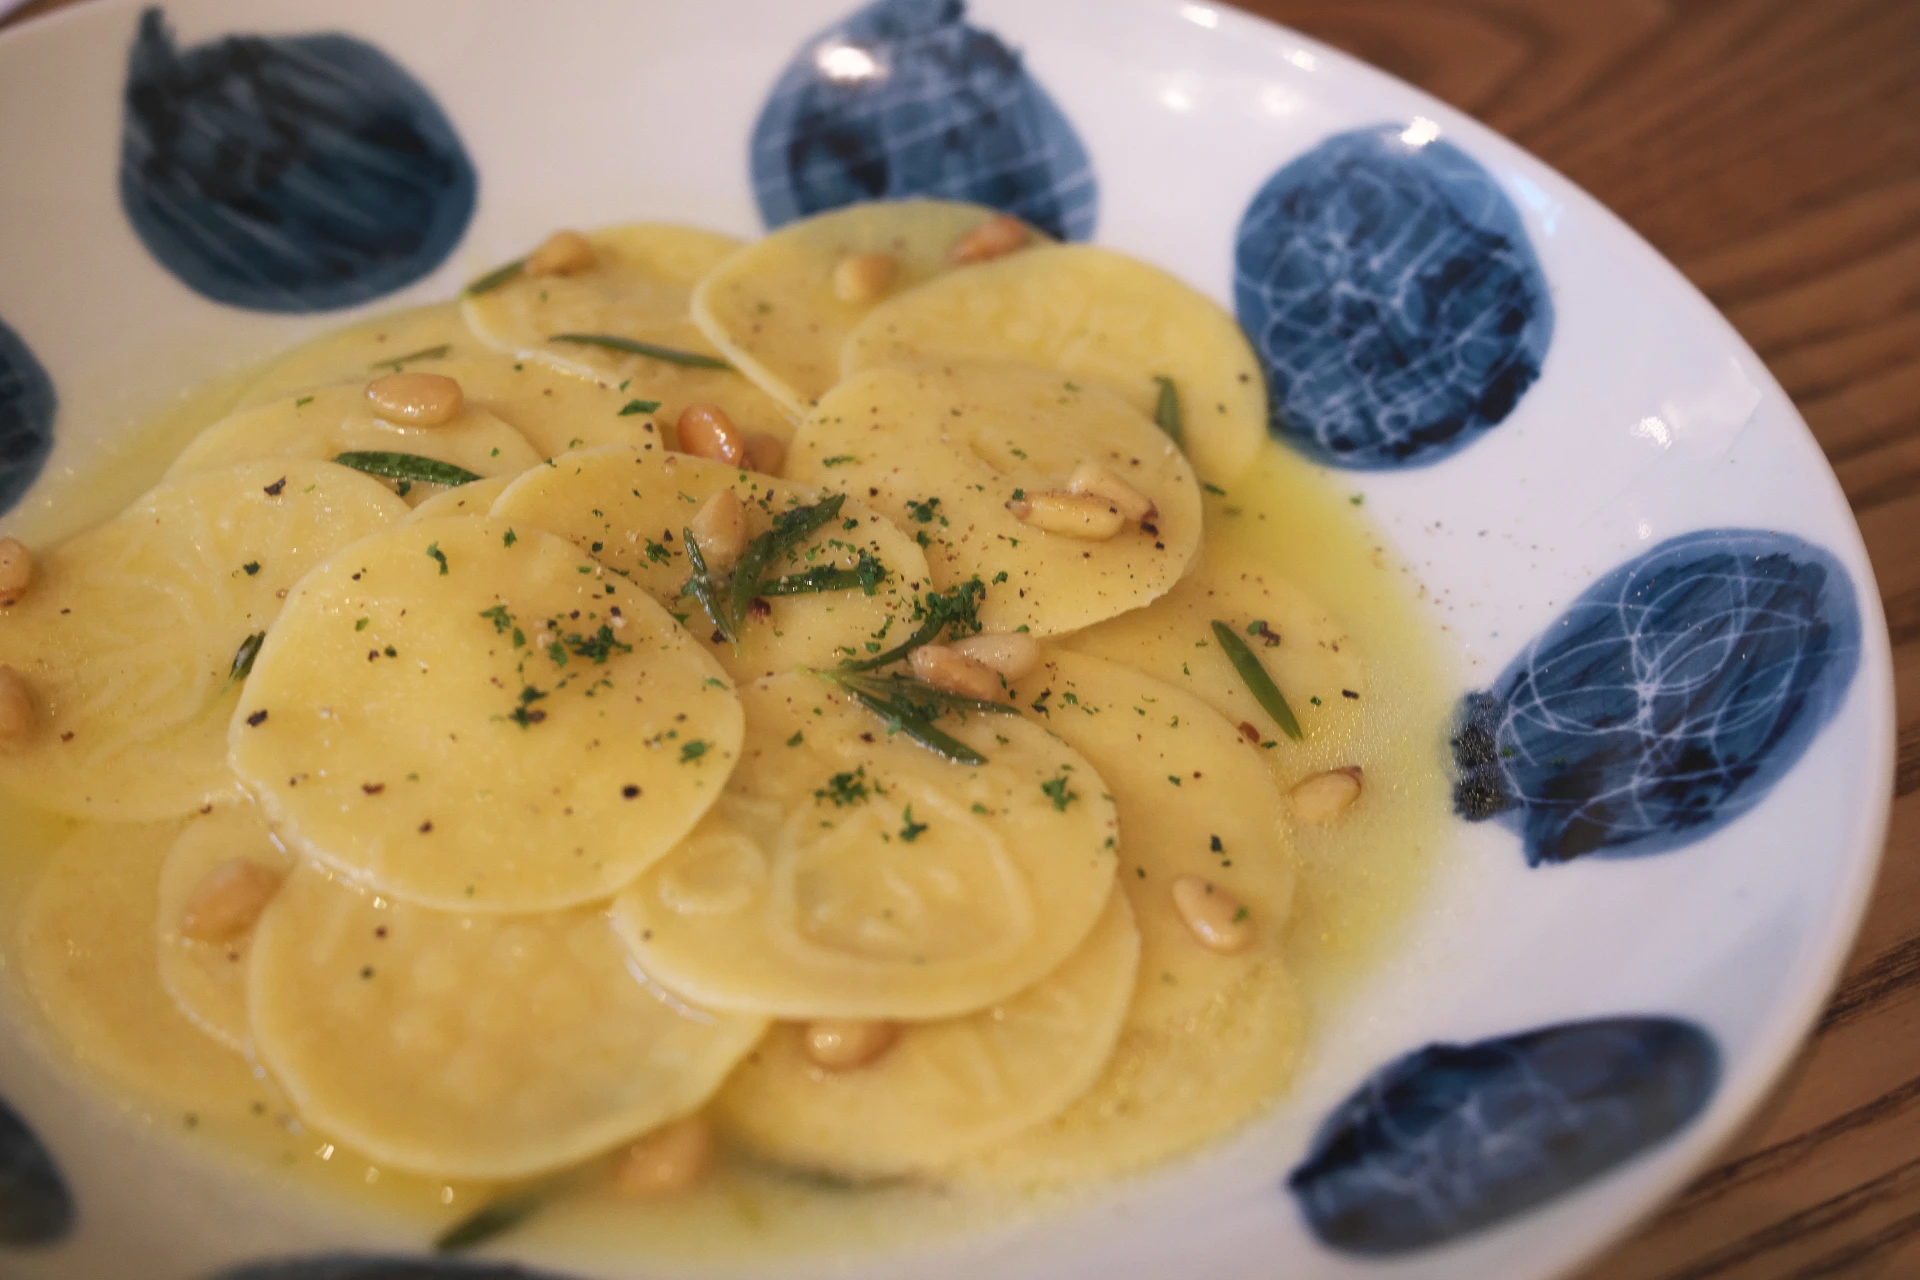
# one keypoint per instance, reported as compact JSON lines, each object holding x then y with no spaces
{"x":1771,"y":149}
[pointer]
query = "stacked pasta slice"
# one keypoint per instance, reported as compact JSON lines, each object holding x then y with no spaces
{"x":765,"y":688}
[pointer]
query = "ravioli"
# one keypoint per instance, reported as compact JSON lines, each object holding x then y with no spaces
{"x":942,"y":451}
{"x":469,"y":716}
{"x":553,"y":411}
{"x":472,"y":1046}
{"x":1089,"y":313}
{"x":130,"y":634}
{"x":850,"y":874}
{"x":335,"y":420}
{"x":208,"y":980}
{"x":1304,"y":648}
{"x":1209,"y":1036}
{"x":772,"y":308}
{"x":630,"y":509}
{"x":639,"y":288}
{"x":85,"y":953}
{"x":947,"y":1088}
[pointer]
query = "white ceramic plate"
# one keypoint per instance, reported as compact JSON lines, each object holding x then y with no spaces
{"x":1684,"y":734}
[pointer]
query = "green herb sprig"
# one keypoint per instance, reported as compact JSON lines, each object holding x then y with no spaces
{"x":495,"y":278}
{"x":910,"y":707}
{"x":489,"y":1220}
{"x":424,"y":353}
{"x":730,"y":608}
{"x":953,"y":613}
{"x":1166,"y":410}
{"x":634,"y":347}
{"x":1258,"y":682}
{"x":867,"y":574}
{"x":408,"y":468}
{"x":243,"y":660}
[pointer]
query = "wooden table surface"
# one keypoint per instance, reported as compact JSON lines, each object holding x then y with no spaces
{"x":1771,"y":150}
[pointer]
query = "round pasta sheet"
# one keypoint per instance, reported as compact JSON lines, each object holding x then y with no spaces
{"x":946,"y":1088}
{"x":629,"y":509}
{"x":468,"y":716}
{"x":942,"y":450}
{"x":552,"y":410}
{"x":1209,"y":1036}
{"x":130,"y":633}
{"x":1089,"y":313}
{"x":772,"y":308}
{"x":850,"y":874}
{"x":1306,"y":650}
{"x":208,"y":980}
{"x":639,"y":288}
{"x":475,"y":498}
{"x":472,"y":1046}
{"x":85,"y":953}
{"x":334,"y":420}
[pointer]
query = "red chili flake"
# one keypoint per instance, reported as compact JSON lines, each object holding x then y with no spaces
{"x":760,"y":608}
{"x":1266,"y":633}
{"x":257,"y":718}
{"x":629,"y":791}
{"x":67,"y":736}
{"x":426,"y":826}
{"x":373,"y":788}
{"x":1248,"y":732}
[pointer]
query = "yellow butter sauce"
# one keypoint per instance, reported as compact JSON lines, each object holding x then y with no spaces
{"x":81,"y":935}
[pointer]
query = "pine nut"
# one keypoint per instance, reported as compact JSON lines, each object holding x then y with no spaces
{"x":1074,"y":515}
{"x":705,"y":431}
{"x":1214,"y":916}
{"x":720,"y":527}
{"x":1012,"y":653}
{"x":994,"y":238}
{"x":1105,"y":482}
{"x":417,"y":399}
{"x":561,"y":254}
{"x":765,"y":453}
{"x":666,"y":1161}
{"x":863,"y":277}
{"x":17,"y":714}
{"x":955,"y":672}
{"x":16,"y":571}
{"x":839,"y":1044}
{"x":1322,"y":797}
{"x":228,"y":900}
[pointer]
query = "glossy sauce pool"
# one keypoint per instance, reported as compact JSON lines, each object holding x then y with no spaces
{"x":1359,"y":882}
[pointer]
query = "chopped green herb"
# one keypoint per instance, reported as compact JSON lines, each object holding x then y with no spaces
{"x":923,"y":512}
{"x":1058,"y":792}
{"x":600,"y":646}
{"x":911,"y":830}
{"x":250,"y":568}
{"x":1166,"y":410}
{"x":408,"y":468}
{"x":508,"y":538}
{"x":669,"y":355}
{"x":1258,"y":682}
{"x":838,"y":460}
{"x":657,"y":553}
{"x":1214,"y":489}
{"x":303,"y":402}
{"x":360,"y":624}
{"x":501,"y":619}
{"x":495,"y":278}
{"x":845,"y":789}
{"x":435,"y":553}
{"x":692,"y":750}
{"x":424,"y":353}
{"x":797,"y":738}
{"x":1357,"y":499}
{"x":488,"y":1221}
{"x":638,"y":406}
{"x":955,"y":613}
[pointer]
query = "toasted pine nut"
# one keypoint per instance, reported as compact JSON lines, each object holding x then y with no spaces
{"x":16,"y":571}
{"x":765,"y":453}
{"x":720,"y":527}
{"x":840,"y":1044}
{"x":228,"y":900}
{"x":668,"y":1160}
{"x":994,"y":238}
{"x":955,"y":672}
{"x":17,"y":714}
{"x":561,"y":254}
{"x":705,"y":431}
{"x":863,"y":277}
{"x":417,"y":399}
{"x":1322,"y":797}
{"x":1105,"y":482}
{"x":1213,"y":915}
{"x":1076,"y":515}
{"x":1012,"y":653}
